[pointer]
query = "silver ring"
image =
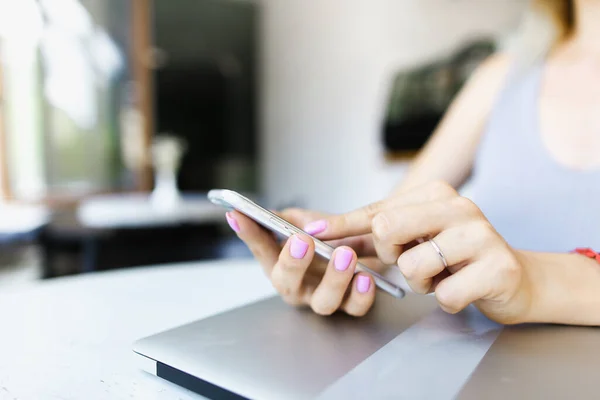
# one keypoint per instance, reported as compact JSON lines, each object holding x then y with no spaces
{"x":440,"y":252}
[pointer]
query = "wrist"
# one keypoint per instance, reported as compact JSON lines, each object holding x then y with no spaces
{"x":564,"y":288}
{"x":540,"y":288}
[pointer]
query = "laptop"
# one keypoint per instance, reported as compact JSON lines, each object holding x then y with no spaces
{"x":403,"y":349}
{"x":270,"y":350}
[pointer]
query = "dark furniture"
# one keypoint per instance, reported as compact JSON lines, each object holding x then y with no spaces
{"x":70,"y":248}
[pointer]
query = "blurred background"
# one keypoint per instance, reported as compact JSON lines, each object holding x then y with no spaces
{"x":117,"y":116}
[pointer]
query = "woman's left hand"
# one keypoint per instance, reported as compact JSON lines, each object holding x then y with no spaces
{"x":474,"y":263}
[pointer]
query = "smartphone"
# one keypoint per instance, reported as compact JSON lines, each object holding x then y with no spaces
{"x":235,"y":201}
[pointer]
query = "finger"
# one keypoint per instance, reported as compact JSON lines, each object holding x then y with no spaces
{"x":261,"y":242}
{"x":421,"y":286}
{"x":361,"y":296}
{"x":402,"y":225}
{"x":374,"y":264}
{"x":435,"y":281}
{"x":458,"y":244}
{"x":428,"y":285}
{"x":468,"y":285}
{"x":362,"y":245}
{"x":288,"y":273}
{"x":358,"y":222}
{"x":300,"y":217}
{"x":388,"y":252}
{"x":328,"y":296}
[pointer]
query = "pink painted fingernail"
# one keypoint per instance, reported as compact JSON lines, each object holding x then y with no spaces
{"x":363,"y":283}
{"x":232,"y":222}
{"x":343,"y":258}
{"x":298,"y":248}
{"x":315,"y":227}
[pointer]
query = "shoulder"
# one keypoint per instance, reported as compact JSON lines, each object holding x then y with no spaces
{"x":499,"y":61}
{"x":493,"y":72}
{"x":485,"y":84}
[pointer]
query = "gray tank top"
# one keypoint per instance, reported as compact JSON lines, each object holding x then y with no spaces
{"x":534,"y":202}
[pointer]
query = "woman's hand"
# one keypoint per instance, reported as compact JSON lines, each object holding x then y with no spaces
{"x":303,"y":279}
{"x":481,"y":267}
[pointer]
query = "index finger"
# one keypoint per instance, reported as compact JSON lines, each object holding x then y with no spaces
{"x":354,"y":223}
{"x":358,"y":222}
{"x":299,"y":217}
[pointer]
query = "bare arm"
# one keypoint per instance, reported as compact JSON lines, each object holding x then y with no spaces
{"x":449,"y":154}
{"x":566,"y":290}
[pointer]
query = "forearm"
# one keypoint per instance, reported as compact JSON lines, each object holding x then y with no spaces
{"x":419,"y":175}
{"x":438,"y":161}
{"x":449,"y":153}
{"x":565,"y":288}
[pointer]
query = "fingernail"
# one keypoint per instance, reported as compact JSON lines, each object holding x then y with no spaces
{"x":298,"y":248}
{"x":232,"y":222}
{"x":343,"y":258}
{"x":363,"y":283}
{"x":315,"y":227}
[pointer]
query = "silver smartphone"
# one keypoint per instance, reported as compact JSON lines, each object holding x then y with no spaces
{"x":235,"y":201}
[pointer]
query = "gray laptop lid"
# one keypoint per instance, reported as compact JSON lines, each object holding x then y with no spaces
{"x":404,"y":349}
{"x":269,"y":350}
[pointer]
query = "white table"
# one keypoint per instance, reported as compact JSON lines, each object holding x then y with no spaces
{"x":18,"y":220}
{"x":70,"y":338}
{"x":137,"y":210}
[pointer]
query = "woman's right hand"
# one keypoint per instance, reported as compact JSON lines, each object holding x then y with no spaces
{"x":301,"y":277}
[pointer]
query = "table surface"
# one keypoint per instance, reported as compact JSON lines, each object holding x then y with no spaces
{"x":16,"y":219}
{"x":71,"y":338}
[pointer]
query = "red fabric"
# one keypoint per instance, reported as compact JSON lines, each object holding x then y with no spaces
{"x":588,"y":253}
